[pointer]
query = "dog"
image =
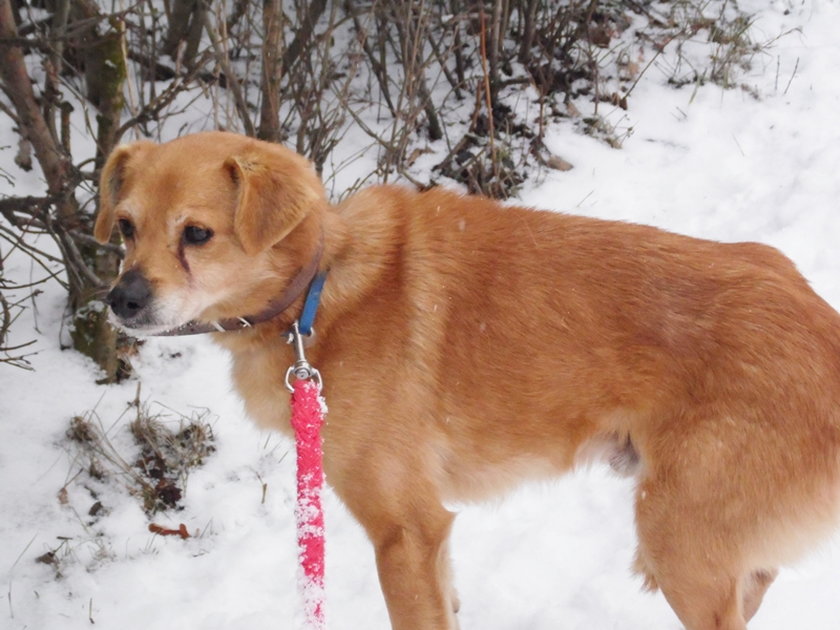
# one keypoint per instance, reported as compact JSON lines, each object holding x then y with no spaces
{"x":466,"y":346}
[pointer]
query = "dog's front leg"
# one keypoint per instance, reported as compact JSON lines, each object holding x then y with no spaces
{"x":414,"y":570}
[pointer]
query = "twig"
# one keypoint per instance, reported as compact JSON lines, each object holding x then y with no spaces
{"x":659,"y":51}
{"x":488,"y":97}
{"x":74,"y":259}
{"x":6,"y":110}
{"x":793,"y":74}
{"x":11,"y":570}
{"x":224,"y":62}
{"x":378,"y":68}
{"x":87,"y":239}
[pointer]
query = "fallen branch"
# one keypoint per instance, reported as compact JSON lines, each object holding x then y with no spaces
{"x":165,"y":531}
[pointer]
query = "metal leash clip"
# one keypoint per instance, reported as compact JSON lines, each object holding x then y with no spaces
{"x":302,"y":369}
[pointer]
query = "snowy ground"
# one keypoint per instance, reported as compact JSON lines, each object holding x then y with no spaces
{"x":711,"y":163}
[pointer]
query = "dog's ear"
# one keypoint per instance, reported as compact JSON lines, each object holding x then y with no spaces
{"x":275,"y":193}
{"x":110,"y":185}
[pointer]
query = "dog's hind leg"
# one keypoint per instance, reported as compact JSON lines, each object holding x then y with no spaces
{"x":716,"y":602}
{"x":703,"y":597}
{"x":695,"y":564}
{"x":753,"y":585}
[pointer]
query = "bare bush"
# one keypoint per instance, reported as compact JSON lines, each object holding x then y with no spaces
{"x":397,"y":79}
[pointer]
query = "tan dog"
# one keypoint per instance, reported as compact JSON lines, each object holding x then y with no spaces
{"x":466,"y":346}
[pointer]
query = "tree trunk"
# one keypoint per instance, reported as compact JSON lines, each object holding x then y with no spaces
{"x":106,"y":70}
{"x":185,"y":26}
{"x":528,"y":16}
{"x":272,"y":72}
{"x":92,"y":334}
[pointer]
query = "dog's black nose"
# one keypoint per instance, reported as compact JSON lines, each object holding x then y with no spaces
{"x":130,"y":295}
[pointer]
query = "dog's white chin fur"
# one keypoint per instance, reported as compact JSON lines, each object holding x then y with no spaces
{"x":141,"y":331}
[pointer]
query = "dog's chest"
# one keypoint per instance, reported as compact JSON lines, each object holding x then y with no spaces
{"x":258,"y":375}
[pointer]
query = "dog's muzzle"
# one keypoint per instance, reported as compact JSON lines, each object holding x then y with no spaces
{"x":130,"y":295}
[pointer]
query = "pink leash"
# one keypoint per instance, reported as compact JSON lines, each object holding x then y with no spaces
{"x":308,"y":409}
{"x":307,"y":418}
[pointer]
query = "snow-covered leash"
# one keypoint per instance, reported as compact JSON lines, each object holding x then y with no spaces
{"x":308,"y":410}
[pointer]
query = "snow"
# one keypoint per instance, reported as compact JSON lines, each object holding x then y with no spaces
{"x":707,"y":162}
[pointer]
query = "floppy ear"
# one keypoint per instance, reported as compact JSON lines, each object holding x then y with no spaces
{"x":110,"y":184}
{"x":276,"y":192}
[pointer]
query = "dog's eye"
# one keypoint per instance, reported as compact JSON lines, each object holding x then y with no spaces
{"x":126,"y":228}
{"x":194,"y":235}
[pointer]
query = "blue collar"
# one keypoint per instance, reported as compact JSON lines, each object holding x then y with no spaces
{"x":310,"y":305}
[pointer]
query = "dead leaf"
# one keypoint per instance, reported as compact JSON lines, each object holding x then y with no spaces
{"x":558,"y":163}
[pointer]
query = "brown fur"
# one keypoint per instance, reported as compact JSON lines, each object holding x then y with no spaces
{"x":466,"y":346}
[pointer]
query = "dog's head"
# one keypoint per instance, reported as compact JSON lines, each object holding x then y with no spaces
{"x":214,"y":225}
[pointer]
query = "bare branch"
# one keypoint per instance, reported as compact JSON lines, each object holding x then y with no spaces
{"x":233,"y":82}
{"x":15,"y":77}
